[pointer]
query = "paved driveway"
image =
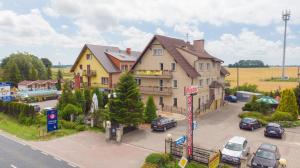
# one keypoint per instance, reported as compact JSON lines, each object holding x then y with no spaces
{"x":214,"y":129}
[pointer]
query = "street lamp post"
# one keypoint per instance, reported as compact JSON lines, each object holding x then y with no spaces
{"x":285,"y":17}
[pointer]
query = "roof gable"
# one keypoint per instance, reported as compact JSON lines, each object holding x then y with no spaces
{"x":170,"y":44}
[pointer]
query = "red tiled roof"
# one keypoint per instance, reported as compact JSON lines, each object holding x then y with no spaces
{"x":171,"y":44}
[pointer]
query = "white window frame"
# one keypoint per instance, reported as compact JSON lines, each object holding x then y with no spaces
{"x":138,"y":81}
{"x":200,"y":66}
{"x":104,"y":80}
{"x":173,"y":83}
{"x":175,"y":98}
{"x":156,"y":53}
{"x":173,"y":64}
{"x":201,"y":83}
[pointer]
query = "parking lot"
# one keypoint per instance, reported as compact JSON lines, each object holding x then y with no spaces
{"x":214,"y":129}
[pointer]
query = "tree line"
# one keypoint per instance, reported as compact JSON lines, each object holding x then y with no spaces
{"x":25,"y":66}
{"x":248,"y":64}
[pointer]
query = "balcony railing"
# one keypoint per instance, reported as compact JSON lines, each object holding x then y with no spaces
{"x":156,"y":90}
{"x":153,"y":73}
{"x":89,"y":73}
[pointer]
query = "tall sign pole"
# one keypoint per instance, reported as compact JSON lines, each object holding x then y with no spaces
{"x":285,"y":17}
{"x":190,"y":92}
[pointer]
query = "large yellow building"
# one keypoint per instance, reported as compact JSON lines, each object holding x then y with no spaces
{"x":101,"y":66}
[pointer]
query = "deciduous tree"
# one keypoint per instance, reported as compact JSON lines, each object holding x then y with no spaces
{"x":288,"y":103}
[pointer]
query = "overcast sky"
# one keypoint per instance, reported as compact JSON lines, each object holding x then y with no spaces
{"x":232,"y":29}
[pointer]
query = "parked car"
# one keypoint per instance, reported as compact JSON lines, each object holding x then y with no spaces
{"x":249,"y":124}
{"x":231,"y":98}
{"x":163,"y":123}
{"x":36,"y":107}
{"x":274,"y":130}
{"x":267,"y":155}
{"x":235,"y":149}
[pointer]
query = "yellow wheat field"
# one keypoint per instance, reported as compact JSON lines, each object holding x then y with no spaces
{"x":257,"y":75}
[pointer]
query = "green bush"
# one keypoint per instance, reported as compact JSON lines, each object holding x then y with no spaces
{"x":288,"y":103}
{"x":158,"y":158}
{"x":195,"y":165}
{"x":150,"y":110}
{"x":69,"y":110}
{"x":263,"y":119}
{"x":68,"y":124}
{"x":80,"y":119}
{"x":281,"y":116}
{"x":80,"y":127}
{"x":150,"y":165}
{"x":257,"y":106}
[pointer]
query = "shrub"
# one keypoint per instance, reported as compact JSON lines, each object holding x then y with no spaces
{"x":68,"y":124}
{"x":259,"y":116}
{"x":257,"y":106}
{"x":69,"y":110}
{"x":195,"y":165}
{"x":281,"y":116}
{"x":80,"y":127}
{"x":150,"y":165}
{"x":80,"y":119}
{"x":288,"y":103}
{"x":158,"y":158}
{"x":150,"y":110}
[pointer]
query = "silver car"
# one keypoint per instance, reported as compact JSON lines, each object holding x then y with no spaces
{"x":235,"y":149}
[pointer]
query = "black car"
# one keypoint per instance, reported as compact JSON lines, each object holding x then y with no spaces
{"x":249,"y":124}
{"x":231,"y":98}
{"x":267,"y":155}
{"x":274,"y":130}
{"x":162,"y":124}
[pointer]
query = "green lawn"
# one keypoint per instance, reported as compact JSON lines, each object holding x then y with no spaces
{"x":11,"y":125}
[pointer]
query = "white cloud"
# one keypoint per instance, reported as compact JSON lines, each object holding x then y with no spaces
{"x":64,"y":27}
{"x":32,"y":29}
{"x":50,"y":12}
{"x":134,"y":38}
{"x":215,"y":12}
{"x":248,"y":45}
{"x":159,"y":31}
{"x":289,"y":33}
{"x":191,"y":30}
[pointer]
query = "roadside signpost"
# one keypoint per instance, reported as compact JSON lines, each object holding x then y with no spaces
{"x":180,"y":140}
{"x":52,"y":120}
{"x":190,"y":92}
{"x":195,"y":125}
{"x":182,"y":162}
{"x":5,"y":93}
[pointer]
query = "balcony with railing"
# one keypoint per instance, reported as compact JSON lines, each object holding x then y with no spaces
{"x":153,"y":73}
{"x":90,"y":73}
{"x":156,"y":90}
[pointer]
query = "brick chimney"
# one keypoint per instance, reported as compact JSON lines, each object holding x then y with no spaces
{"x":128,"y":51}
{"x":199,"y":45}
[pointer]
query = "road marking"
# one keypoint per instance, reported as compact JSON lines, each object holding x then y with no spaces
{"x":44,"y":153}
{"x":13,"y":166}
{"x":71,"y":164}
{"x":56,"y":158}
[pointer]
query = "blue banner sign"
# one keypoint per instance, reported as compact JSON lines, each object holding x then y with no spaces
{"x":52,"y":120}
{"x":5,"y":93}
{"x":180,"y":140}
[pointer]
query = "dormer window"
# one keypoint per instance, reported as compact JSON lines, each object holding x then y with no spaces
{"x":157,"y":51}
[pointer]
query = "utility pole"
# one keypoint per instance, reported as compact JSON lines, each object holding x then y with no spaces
{"x":298,"y":75}
{"x":237,"y":76}
{"x":285,"y":17}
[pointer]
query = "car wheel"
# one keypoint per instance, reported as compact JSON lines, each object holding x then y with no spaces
{"x":165,"y":128}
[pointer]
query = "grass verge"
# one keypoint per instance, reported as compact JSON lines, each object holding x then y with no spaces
{"x":12,"y":126}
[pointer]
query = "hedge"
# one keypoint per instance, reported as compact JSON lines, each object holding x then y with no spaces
{"x":14,"y":109}
{"x":282,"y":116}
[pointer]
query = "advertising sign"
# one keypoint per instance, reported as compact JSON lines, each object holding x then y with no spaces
{"x":190,"y":90}
{"x":5,"y":93}
{"x":52,"y":120}
{"x":190,"y":124}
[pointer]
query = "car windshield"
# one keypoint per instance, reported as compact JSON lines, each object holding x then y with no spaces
{"x":247,"y":120}
{"x":265,"y":154}
{"x":233,"y":146}
{"x":271,"y":128}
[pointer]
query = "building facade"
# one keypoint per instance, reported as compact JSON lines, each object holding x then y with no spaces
{"x":167,"y":65}
{"x":27,"y":85}
{"x":100,"y":66}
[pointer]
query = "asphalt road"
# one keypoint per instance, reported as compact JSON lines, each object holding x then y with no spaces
{"x":18,"y":155}
{"x":215,"y":129}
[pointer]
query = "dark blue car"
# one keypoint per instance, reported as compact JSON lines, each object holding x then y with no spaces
{"x":231,"y":98}
{"x":274,"y":130}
